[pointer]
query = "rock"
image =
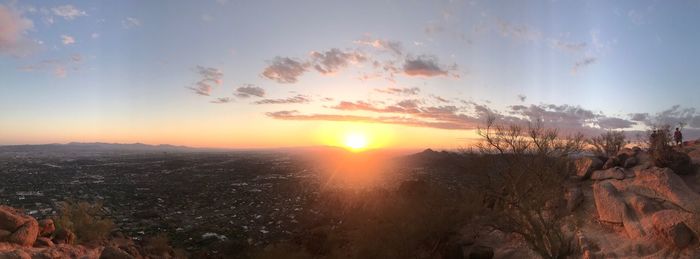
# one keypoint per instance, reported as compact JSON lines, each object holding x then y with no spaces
{"x":46,"y":227}
{"x":610,"y":163}
{"x":43,"y":242}
{"x":669,"y":225}
{"x":480,"y":252}
{"x":630,"y":162}
{"x":612,"y":173}
{"x":26,"y":234}
{"x":24,"y":229}
{"x":642,"y":206}
{"x":16,"y":254}
{"x":586,"y":165}
{"x":609,"y":204}
{"x":64,"y":236}
{"x":114,"y":253}
{"x":662,"y":183}
{"x":4,"y":234}
{"x":573,"y":198}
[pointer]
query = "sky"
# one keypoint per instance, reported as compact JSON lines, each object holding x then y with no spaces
{"x":405,"y":74}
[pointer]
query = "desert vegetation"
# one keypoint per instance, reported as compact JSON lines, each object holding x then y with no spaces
{"x":86,"y":220}
{"x":525,"y":183}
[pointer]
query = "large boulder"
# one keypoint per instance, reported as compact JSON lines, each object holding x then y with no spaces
{"x":670,"y":226}
{"x":611,"y":173}
{"x":608,"y":202}
{"x":611,"y":162}
{"x":630,"y":162}
{"x":586,"y":165}
{"x":24,"y":229}
{"x":662,"y":183}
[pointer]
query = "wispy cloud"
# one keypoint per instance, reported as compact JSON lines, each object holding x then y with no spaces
{"x":209,"y":77}
{"x":222,"y":100}
{"x":392,"y":46}
{"x":13,"y":33}
{"x":399,"y":91}
{"x":291,"y":100}
{"x":67,"y":40}
{"x":68,"y":12}
{"x":583,"y":63}
{"x":249,"y":90}
{"x":424,"y":65}
{"x":131,"y":22}
{"x":285,"y":70}
{"x":330,"y":62}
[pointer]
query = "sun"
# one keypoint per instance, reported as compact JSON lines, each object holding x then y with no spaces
{"x":355,"y":141}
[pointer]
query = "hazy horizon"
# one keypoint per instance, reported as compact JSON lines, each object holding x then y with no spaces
{"x":360,"y":75}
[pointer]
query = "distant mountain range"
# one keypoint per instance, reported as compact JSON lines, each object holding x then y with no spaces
{"x":79,"y":147}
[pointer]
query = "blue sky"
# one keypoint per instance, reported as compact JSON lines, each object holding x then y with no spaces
{"x":228,"y":73}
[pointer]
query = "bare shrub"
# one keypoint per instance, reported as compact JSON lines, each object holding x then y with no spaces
{"x":608,"y":143}
{"x":664,"y":155}
{"x":525,"y":181}
{"x":85,"y":219}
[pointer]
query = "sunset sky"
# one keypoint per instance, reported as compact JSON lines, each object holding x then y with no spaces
{"x":408,"y":74}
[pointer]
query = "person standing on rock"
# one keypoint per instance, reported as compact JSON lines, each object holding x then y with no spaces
{"x":678,"y":137}
{"x":652,"y":140}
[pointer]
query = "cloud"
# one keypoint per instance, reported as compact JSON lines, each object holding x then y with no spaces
{"x":610,"y":123}
{"x":423,"y":66}
{"x":522,"y":97}
{"x":95,"y":35}
{"x":67,"y":40}
{"x":295,"y":115}
{"x":393,"y":46}
{"x":222,"y":100}
{"x":285,"y":70}
{"x":249,"y":90}
{"x":331,"y":61}
{"x":583,"y":63}
{"x":68,"y":12}
{"x":675,"y":116}
{"x":399,"y":91}
{"x":517,"y":31}
{"x":440,"y":99}
{"x":640,"y":117}
{"x":56,"y":67}
{"x":131,"y":22}
{"x":13,"y":31}
{"x":291,"y":100}
{"x":567,"y":46}
{"x":209,"y":77}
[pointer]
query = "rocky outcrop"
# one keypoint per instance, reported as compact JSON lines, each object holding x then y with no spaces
{"x":17,"y":228}
{"x":663,"y":184}
{"x":611,"y":173}
{"x":586,"y":165}
{"x":609,"y":203}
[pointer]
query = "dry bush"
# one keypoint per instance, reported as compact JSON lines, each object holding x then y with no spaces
{"x":525,"y":181}
{"x":84,"y":219}
{"x":664,"y":155}
{"x":158,"y":245}
{"x":608,"y":143}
